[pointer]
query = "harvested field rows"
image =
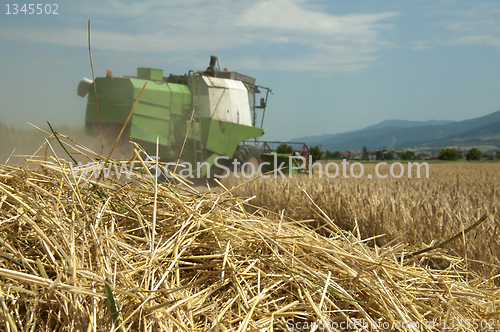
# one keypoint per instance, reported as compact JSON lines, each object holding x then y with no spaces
{"x":425,"y":210}
{"x":95,"y":255}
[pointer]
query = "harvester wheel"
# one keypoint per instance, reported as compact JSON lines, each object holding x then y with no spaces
{"x":249,"y":159}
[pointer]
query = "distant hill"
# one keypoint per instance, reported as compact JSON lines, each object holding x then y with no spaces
{"x":382,"y":136}
{"x":484,"y":135}
{"x":343,"y":137}
{"x":407,"y":124}
{"x":370,"y":131}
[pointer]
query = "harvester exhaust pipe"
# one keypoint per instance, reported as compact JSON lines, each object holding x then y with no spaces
{"x":83,"y":87}
{"x":212,"y":70}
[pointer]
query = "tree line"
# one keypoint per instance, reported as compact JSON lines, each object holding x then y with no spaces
{"x":472,"y":154}
{"x":448,"y":154}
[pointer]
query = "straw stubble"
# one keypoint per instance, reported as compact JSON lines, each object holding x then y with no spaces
{"x":94,"y":255}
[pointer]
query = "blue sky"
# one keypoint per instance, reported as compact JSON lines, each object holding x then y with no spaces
{"x":333,"y":66}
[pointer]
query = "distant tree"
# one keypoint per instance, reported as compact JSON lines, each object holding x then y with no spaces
{"x":497,"y":156}
{"x":365,"y":153}
{"x":333,"y":155}
{"x":407,"y":155}
{"x":379,"y":154}
{"x":389,"y":156}
{"x":487,"y":156}
{"x":473,"y":154}
{"x":316,"y":153}
{"x":448,"y":154}
{"x":337,"y":155}
{"x":284,"y":148}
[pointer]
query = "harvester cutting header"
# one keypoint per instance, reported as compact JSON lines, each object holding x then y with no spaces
{"x":221,"y":104}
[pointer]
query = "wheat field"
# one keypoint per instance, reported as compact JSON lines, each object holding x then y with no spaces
{"x":422,"y":211}
{"x":103,"y":254}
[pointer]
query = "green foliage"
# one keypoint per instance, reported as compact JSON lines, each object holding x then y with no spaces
{"x":316,"y":153}
{"x":473,"y":154}
{"x":111,"y":302}
{"x":333,"y":155}
{"x":379,"y":154}
{"x":407,"y":155}
{"x":388,"y":156}
{"x":448,"y":154}
{"x":284,"y":148}
{"x":487,"y":156}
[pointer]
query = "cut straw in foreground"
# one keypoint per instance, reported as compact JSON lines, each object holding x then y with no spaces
{"x":85,"y":254}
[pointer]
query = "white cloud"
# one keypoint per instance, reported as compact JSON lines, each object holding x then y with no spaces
{"x":314,"y":40}
{"x":422,"y":45}
{"x":477,"y":24}
{"x":106,"y":40}
{"x":289,"y":16}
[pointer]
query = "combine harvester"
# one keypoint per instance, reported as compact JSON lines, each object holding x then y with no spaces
{"x":211,"y":113}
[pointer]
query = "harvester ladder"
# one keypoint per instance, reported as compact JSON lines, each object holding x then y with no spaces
{"x":198,"y":147}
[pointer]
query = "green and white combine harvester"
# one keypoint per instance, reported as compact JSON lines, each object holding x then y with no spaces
{"x":211,"y":113}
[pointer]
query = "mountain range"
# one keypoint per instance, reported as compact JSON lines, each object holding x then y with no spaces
{"x":399,"y":134}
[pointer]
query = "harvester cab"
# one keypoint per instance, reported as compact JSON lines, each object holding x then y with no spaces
{"x":208,"y":115}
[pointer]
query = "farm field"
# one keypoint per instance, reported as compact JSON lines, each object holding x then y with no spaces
{"x":423,"y":210}
{"x":87,"y":254}
{"x":131,"y":189}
